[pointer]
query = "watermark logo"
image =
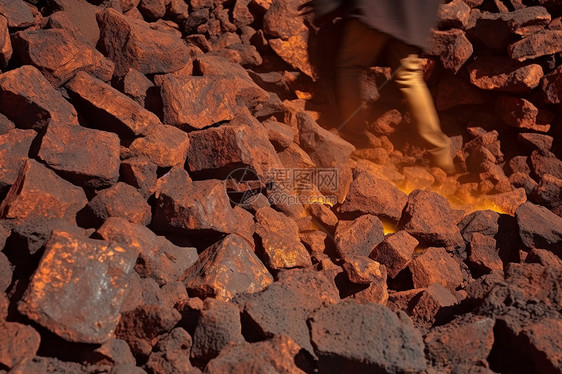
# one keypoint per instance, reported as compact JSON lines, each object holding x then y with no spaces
{"x":284,"y":186}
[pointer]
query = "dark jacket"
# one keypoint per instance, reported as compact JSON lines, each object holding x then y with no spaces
{"x":407,"y":20}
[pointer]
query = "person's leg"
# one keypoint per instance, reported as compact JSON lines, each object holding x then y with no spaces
{"x":359,"y":49}
{"x":409,"y":79}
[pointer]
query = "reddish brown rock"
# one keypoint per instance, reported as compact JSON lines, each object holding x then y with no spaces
{"x":454,"y":91}
{"x":5,"y":125}
{"x":484,"y":222}
{"x":381,"y":341}
{"x":435,"y":265}
{"x":433,"y":304}
{"x":165,"y":146}
{"x":280,"y":134}
{"x":38,"y":191}
{"x":14,"y":148}
{"x":548,"y":192}
{"x":171,"y":353}
{"x":152,"y":9}
{"x":109,"y":109}
{"x":121,"y":200}
{"x":545,"y":344}
{"x":80,"y":19}
{"x":277,"y":354}
{"x":5,"y":43}
{"x":483,"y":255}
{"x":323,"y":214}
{"x":551,"y":86}
{"x":158,"y":258}
{"x":86,"y":157}
{"x":429,"y":218}
{"x":535,"y":283}
{"x":218,"y":99}
{"x":29,"y":100}
{"x":20,"y":343}
{"x":5,"y":271}
{"x":358,"y":237}
{"x":141,"y":327}
{"x":58,"y":55}
{"x":464,"y":341}
{"x":395,"y":252}
{"x":278,"y":233}
{"x":535,"y":141}
{"x":137,"y":86}
{"x":193,"y":206}
{"x":370,"y":195}
{"x":294,"y":51}
{"x":218,"y":326}
{"x":519,"y":113}
{"x":17,"y":12}
{"x":140,"y":173}
{"x":546,"y":163}
{"x":362,"y":271}
{"x":455,"y":14}
{"x":225,"y":269}
{"x":539,"y":227}
{"x":540,"y":44}
{"x":78,"y":287}
{"x":295,"y":157}
{"x":284,"y":307}
{"x":114,"y":352}
{"x":452,"y":47}
{"x":501,"y":74}
{"x":135,"y":44}
{"x":242,"y":142}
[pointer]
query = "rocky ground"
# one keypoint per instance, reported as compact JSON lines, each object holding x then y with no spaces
{"x":175,"y":199}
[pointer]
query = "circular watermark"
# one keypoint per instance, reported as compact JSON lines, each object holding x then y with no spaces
{"x":243,"y":186}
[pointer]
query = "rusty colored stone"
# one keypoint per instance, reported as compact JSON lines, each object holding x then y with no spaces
{"x":533,"y":282}
{"x":464,"y":341}
{"x":217,"y":99}
{"x":113,"y":352}
{"x":58,"y":55}
{"x":483,"y":255}
{"x":38,"y":191}
{"x":5,"y":272}
{"x":29,"y":100}
{"x":548,"y":191}
{"x":551,"y":86}
{"x":323,"y":214}
{"x":121,"y":200}
{"x":544,"y":344}
{"x":165,"y":146}
{"x":284,"y":307}
{"x":547,"y":42}
{"x":395,"y":252}
{"x":429,"y":218}
{"x":277,"y":354}
{"x":294,"y":51}
{"x":86,"y":157}
{"x":435,"y":265}
{"x":280,"y":134}
{"x":78,"y":288}
{"x":158,"y":258}
{"x":381,"y":341}
{"x":536,"y":141}
{"x":358,"y":237}
{"x":452,"y":47}
{"x":135,"y":44}
{"x":171,"y":353}
{"x":241,"y":143}
{"x":501,"y":74}
{"x":20,"y":343}
{"x":140,"y":173}
{"x":279,"y":238}
{"x":109,"y":109}
{"x":519,"y":113}
{"x":141,"y":327}
{"x":546,"y":163}
{"x":5,"y":125}
{"x":81,"y":17}
{"x":433,"y":304}
{"x":295,"y":157}
{"x":455,"y":14}
{"x":361,"y":270}
{"x":539,"y":227}
{"x":14,"y":148}
{"x":17,"y":12}
{"x":153,"y":9}
{"x":218,"y":326}
{"x":5,"y":43}
{"x":484,"y":222}
{"x":137,"y":86}
{"x":371,"y":195}
{"x":193,"y":206}
{"x":225,"y":269}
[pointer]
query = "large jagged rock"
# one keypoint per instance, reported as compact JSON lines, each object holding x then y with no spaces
{"x":395,"y":252}
{"x":539,"y":227}
{"x":21,"y":343}
{"x":58,"y":55}
{"x":133,"y":43}
{"x":379,"y":340}
{"x":77,"y":17}
{"x":30,"y":101}
{"x":39,"y":192}
{"x":226,"y":269}
{"x":5,"y":43}
{"x":120,"y":200}
{"x":14,"y":148}
{"x":358,"y":237}
{"x":502,"y":74}
{"x":452,"y":47}
{"x":108,"y":109}
{"x":78,"y":288}
{"x":87,"y":157}
{"x":548,"y":42}
{"x":17,"y":12}
{"x":165,"y":146}
{"x":171,"y":353}
{"x":435,"y":265}
{"x":429,"y":218}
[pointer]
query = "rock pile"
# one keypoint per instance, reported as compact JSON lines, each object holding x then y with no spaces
{"x":173,"y":199}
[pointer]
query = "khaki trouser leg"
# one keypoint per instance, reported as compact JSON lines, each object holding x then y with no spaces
{"x":359,"y":48}
{"x":422,"y":108}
